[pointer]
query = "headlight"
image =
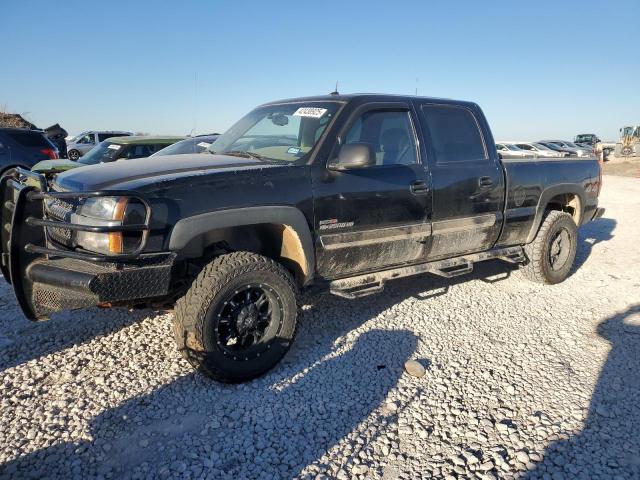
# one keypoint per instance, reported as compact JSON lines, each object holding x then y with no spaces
{"x":102,"y":208}
{"x":109,"y":211}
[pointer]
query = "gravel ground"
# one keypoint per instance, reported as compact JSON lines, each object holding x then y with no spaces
{"x":626,"y":167}
{"x":521,"y":380}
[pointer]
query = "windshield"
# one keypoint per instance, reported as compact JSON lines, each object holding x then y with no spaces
{"x":570,"y":144}
{"x":284,"y":133}
{"x":189,"y":145}
{"x":512,"y":147}
{"x":103,"y":152}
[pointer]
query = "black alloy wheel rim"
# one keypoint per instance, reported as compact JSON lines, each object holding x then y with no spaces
{"x":248,"y":321}
{"x":560,"y":249}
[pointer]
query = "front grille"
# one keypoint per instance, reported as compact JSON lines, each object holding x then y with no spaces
{"x":57,"y":209}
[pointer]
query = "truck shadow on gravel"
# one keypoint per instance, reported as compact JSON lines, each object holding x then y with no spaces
{"x":609,"y":444}
{"x":333,"y":381}
{"x":590,"y":235}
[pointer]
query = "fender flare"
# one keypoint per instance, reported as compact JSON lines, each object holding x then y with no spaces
{"x":546,"y":196}
{"x":192,"y":227}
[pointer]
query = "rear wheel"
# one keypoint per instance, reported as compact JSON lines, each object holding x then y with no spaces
{"x":73,"y":155}
{"x":239,"y":317}
{"x":551,"y":254}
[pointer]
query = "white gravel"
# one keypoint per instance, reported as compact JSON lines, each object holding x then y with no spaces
{"x":521,"y":380}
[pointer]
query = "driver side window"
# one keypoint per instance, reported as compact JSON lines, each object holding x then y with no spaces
{"x":390,"y":135}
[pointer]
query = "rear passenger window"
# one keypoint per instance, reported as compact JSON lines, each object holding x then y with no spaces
{"x":454,"y":133}
{"x":139,"y":151}
{"x":29,"y":139}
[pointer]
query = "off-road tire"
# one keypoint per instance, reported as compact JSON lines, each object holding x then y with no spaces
{"x":626,"y":151}
{"x":538,"y":267}
{"x":73,"y":155}
{"x":195,"y":322}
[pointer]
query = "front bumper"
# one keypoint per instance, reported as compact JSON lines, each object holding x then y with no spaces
{"x":67,"y":283}
{"x":47,"y":278}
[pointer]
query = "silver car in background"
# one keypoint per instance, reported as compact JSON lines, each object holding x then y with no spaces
{"x":540,"y":150}
{"x":81,"y":144}
{"x":569,"y":147}
{"x":509,"y":150}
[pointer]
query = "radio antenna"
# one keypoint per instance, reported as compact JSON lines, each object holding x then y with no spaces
{"x":335,"y":92}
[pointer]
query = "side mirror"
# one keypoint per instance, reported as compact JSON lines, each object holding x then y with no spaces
{"x":353,"y":156}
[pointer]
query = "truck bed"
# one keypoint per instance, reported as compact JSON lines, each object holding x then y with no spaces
{"x":531,"y":183}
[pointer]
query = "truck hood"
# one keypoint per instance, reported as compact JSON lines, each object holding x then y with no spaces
{"x":133,"y":174}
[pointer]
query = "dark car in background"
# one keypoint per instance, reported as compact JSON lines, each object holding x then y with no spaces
{"x":587,"y":138}
{"x":20,"y":147}
{"x":196,"y":144}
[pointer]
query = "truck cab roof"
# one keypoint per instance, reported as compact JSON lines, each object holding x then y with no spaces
{"x":368,"y":97}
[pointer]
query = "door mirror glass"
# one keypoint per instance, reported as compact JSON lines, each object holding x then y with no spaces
{"x":353,"y":156}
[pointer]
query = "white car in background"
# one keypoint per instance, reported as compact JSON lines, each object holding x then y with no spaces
{"x":539,"y":150}
{"x":509,"y":150}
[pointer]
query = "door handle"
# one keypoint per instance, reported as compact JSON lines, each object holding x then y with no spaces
{"x":485,"y":181}
{"x":419,"y":188}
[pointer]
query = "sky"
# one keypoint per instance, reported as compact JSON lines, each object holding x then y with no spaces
{"x":538,"y":69}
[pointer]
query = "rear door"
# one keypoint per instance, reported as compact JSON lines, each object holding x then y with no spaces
{"x":467,"y":179}
{"x":375,"y":217}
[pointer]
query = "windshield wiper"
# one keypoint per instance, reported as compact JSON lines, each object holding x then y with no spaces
{"x":242,"y":153}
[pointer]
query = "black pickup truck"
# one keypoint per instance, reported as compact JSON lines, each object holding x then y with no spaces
{"x":341,"y":192}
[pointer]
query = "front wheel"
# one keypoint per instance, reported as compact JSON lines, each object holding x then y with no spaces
{"x":551,"y":254}
{"x":627,"y":151}
{"x":73,"y":155}
{"x":239,"y":317}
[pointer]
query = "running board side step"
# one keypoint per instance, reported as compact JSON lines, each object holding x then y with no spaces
{"x":370,"y":283}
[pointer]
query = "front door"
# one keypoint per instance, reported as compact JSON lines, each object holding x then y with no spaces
{"x":86,"y":142}
{"x":374,"y":217}
{"x":467,"y":180}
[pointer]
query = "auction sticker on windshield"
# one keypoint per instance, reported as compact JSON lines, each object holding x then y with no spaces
{"x":311,"y":112}
{"x":114,"y":147}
